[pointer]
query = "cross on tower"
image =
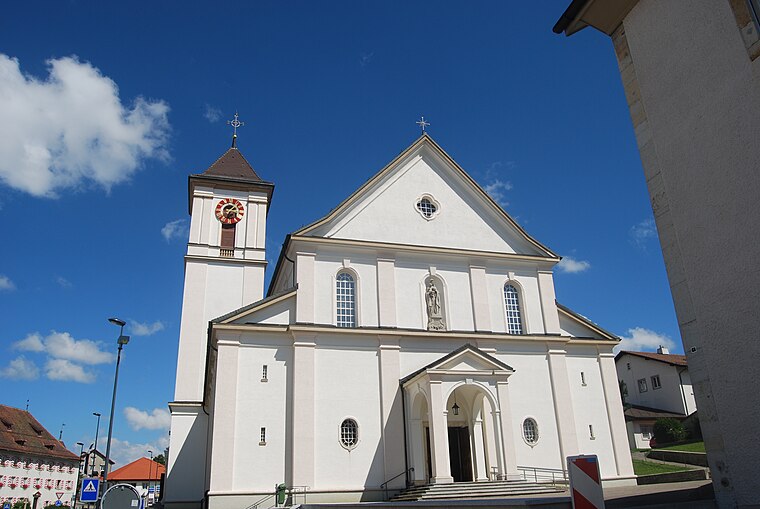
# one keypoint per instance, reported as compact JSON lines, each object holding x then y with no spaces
{"x":422,"y":123}
{"x":235,"y":123}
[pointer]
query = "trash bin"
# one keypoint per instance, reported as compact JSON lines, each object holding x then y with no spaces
{"x":281,"y":492}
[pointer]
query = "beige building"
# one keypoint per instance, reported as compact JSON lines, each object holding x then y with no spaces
{"x":691,"y":75}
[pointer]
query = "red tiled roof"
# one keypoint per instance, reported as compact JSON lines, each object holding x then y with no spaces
{"x":669,"y":358}
{"x":142,"y":469}
{"x":637,"y":412}
{"x":20,"y":432}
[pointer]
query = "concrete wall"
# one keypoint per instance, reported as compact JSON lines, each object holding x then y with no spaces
{"x":692,"y":87}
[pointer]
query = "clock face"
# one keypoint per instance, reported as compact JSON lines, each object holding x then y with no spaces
{"x":229,"y":211}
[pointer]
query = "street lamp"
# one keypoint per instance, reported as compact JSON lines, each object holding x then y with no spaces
{"x":79,"y":471}
{"x":123,"y":340}
{"x":150,"y":471}
{"x":95,"y":450}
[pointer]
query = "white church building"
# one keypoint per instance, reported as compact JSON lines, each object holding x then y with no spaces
{"x":412,"y":333}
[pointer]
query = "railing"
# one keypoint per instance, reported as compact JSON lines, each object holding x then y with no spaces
{"x":384,"y":486}
{"x":256,"y":504}
{"x":543,"y":475}
{"x":294,"y":491}
{"x":226,"y":253}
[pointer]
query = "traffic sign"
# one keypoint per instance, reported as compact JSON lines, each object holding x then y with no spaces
{"x":58,"y":503}
{"x":90,"y":490}
{"x":7,"y":505}
{"x":585,"y":482}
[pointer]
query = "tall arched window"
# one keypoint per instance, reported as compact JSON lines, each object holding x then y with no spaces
{"x":345,"y":293}
{"x":512,"y":303}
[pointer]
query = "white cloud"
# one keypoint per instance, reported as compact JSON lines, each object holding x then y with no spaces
{"x":124,"y":452}
{"x":212,"y":114}
{"x":31,"y":343}
{"x":6,"y":283}
{"x":72,"y":129}
{"x":63,"y":282}
{"x":497,"y":190}
{"x":641,"y":339}
{"x":158,"y":418}
{"x":573,"y":266}
{"x":67,"y":371}
{"x":365,"y":59}
{"x":145,"y":329}
{"x":20,"y":368}
{"x":178,"y":229}
{"x":60,"y":345}
{"x":640,"y":233}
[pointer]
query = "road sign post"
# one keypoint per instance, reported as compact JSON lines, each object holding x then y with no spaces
{"x":585,"y":482}
{"x":90,"y":489}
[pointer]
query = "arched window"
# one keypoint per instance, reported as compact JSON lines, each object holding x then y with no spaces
{"x":349,"y":433}
{"x":345,"y":293}
{"x":512,"y":303}
{"x":530,"y":431}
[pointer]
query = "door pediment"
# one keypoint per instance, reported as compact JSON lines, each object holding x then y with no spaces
{"x":465,"y":361}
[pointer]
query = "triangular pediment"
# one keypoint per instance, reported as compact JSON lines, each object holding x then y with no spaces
{"x":277,"y":309}
{"x":467,"y":359}
{"x":385,"y":208}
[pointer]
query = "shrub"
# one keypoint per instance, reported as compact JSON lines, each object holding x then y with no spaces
{"x":20,"y":504}
{"x":668,"y":430}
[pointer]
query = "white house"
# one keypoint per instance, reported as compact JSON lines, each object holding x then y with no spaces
{"x":414,"y":327}
{"x":32,"y":461}
{"x":656,"y":385}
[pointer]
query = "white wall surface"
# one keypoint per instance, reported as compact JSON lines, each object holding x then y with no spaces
{"x":668,"y":397}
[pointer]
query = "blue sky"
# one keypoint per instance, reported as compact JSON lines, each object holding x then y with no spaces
{"x":107,"y":108}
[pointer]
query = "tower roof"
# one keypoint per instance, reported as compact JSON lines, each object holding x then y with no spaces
{"x":232,"y":164}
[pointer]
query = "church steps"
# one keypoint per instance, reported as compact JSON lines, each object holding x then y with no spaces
{"x":475,"y":490}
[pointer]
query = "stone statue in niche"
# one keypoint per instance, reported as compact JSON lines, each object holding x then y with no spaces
{"x":434,"y":310}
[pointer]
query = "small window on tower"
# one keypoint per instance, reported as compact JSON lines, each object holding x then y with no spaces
{"x":264,"y":374}
{"x":227,"y":244}
{"x":263,"y":437}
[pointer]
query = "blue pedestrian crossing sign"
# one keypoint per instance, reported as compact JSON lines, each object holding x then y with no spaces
{"x":89,"y":491}
{"x":7,"y":505}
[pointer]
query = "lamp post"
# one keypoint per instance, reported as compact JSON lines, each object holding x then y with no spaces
{"x":79,"y":471}
{"x":150,"y":472}
{"x":95,"y":450}
{"x":123,"y":340}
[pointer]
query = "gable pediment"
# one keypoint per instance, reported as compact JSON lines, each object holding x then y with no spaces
{"x":385,"y":209}
{"x":465,"y":360}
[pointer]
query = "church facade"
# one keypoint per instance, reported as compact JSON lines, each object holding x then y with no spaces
{"x":411,"y":336}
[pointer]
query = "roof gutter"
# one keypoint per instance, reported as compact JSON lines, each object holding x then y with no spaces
{"x":572,"y":12}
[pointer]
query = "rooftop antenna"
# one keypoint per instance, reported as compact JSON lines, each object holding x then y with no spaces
{"x":27,"y":405}
{"x":235,"y":123}
{"x":422,"y":123}
{"x":60,"y":433}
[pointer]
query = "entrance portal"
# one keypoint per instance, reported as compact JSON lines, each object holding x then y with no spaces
{"x":460,"y":457}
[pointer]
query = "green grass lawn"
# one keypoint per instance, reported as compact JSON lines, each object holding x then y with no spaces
{"x":641,"y":467}
{"x":688,"y":447}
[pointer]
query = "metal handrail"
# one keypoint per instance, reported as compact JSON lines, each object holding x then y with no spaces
{"x":255,"y":505}
{"x":385,"y":484}
{"x":544,"y":475}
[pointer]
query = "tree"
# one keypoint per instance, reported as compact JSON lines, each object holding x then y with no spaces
{"x":668,"y":430}
{"x":623,"y":392}
{"x":160,"y":459}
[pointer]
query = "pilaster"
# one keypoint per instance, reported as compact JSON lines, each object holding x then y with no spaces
{"x":615,"y":418}
{"x":303,"y":412}
{"x":563,"y":404}
{"x":439,"y":435}
{"x":225,"y":405}
{"x":392,"y":430}
{"x":480,"y":310}
{"x":507,"y":431}
{"x":305,"y":280}
{"x":386,"y":291}
{"x":548,"y":302}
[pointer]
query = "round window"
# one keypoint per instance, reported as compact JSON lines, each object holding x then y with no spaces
{"x":427,"y":207}
{"x":530,"y":431}
{"x":349,"y":433}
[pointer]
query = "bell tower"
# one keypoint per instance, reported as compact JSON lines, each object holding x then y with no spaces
{"x":224,"y":270}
